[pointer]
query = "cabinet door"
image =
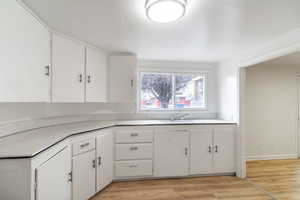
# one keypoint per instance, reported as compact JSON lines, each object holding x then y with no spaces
{"x":104,"y":159}
{"x":96,"y":75}
{"x":84,"y":176}
{"x":171,"y":153}
{"x":24,"y":55}
{"x":201,"y":151}
{"x":53,"y":177}
{"x":224,"y":151}
{"x":67,"y":70}
{"x":122,"y":78}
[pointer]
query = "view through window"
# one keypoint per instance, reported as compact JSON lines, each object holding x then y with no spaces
{"x":172,"y":91}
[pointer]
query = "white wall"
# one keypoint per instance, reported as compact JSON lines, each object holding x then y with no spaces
{"x":15,"y":117}
{"x":227,"y":85}
{"x":271,"y":111}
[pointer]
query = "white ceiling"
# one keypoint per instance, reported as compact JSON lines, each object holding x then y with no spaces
{"x":212,"y":30}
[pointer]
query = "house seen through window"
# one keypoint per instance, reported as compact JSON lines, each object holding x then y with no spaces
{"x":172,"y":91}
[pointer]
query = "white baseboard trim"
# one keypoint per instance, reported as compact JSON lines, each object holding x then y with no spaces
{"x":272,"y":157}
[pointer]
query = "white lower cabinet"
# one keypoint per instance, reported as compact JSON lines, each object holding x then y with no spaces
{"x":201,"y":151}
{"x":133,"y":152}
{"x":84,"y":175}
{"x":93,"y":166}
{"x":134,"y":168}
{"x":52,"y":177}
{"x":224,"y":150}
{"x":104,"y":160}
{"x":213,"y":150}
{"x":171,"y":153}
{"x":97,"y":158}
{"x":174,"y":151}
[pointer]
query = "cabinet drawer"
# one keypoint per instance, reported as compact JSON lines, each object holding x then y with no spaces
{"x":133,"y":168}
{"x":83,"y":146}
{"x":134,"y":136}
{"x":134,"y":151}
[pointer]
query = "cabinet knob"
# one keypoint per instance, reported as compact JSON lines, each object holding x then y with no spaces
{"x":133,"y":148}
{"x":47,"y":73}
{"x":99,"y":160}
{"x":131,"y":83}
{"x":186,"y":151}
{"x":134,"y":134}
{"x":216,"y":149}
{"x":70,"y":177}
{"x":209,"y":149}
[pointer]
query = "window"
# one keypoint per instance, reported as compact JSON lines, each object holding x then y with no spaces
{"x":172,"y":91}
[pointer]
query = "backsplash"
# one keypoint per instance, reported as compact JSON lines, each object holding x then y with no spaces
{"x":17,"y":117}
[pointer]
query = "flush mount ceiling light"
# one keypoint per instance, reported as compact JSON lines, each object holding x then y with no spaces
{"x":165,"y":11}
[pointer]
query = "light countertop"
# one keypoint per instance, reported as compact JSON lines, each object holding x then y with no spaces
{"x":30,"y":143}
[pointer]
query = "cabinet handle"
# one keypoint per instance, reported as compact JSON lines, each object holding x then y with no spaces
{"x":133,"y":166}
{"x":134,"y":134}
{"x":89,"y":79}
{"x":216,"y":149}
{"x":209,"y":149}
{"x":133,"y":148}
{"x":70,"y":177}
{"x":84,"y":145}
{"x":186,"y":151}
{"x":80,"y":78}
{"x":99,"y":160}
{"x":94,"y":163}
{"x":131,"y":82}
{"x":47,"y":70}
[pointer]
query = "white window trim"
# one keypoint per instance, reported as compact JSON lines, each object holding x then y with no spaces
{"x":175,"y":71}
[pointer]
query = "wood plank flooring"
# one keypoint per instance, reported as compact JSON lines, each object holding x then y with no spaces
{"x":281,"y":178}
{"x":267,"y":180}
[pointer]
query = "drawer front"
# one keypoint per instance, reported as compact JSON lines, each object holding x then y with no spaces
{"x":134,"y":136}
{"x":83,"y":146}
{"x":133,"y":168}
{"x":133,"y":151}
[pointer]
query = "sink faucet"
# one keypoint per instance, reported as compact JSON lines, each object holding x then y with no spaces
{"x":178,"y":116}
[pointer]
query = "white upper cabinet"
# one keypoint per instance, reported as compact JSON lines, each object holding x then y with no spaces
{"x":171,"y":153}
{"x":122,"y":78}
{"x":68,"y":63}
{"x":24,"y":55}
{"x":96,"y":75}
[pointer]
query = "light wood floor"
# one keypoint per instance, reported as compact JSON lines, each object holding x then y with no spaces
{"x":281,"y":178}
{"x":278,"y":179}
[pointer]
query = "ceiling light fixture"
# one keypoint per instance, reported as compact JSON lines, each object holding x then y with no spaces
{"x":165,"y":11}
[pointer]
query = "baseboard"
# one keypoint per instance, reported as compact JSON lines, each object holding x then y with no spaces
{"x":272,"y":157}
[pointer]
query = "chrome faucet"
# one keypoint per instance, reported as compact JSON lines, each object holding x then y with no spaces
{"x":178,"y":116}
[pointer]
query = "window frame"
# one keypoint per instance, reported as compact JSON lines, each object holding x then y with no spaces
{"x":172,"y":72}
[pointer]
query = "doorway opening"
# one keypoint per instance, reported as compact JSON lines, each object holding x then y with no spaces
{"x":271,"y":125}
